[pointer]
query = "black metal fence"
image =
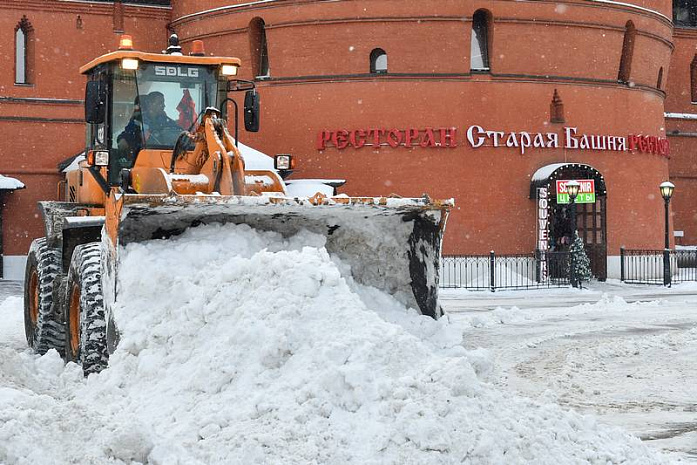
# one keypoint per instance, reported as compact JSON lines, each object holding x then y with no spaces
{"x":551,"y":269}
{"x":658,"y":266}
{"x":491,"y":272}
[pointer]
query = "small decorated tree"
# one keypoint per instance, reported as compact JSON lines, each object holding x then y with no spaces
{"x":580,"y":264}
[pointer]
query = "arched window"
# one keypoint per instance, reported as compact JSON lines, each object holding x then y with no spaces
{"x":24,"y":48}
{"x":378,"y":61}
{"x":627,"y":52}
{"x":659,"y":82}
{"x":20,"y":57}
{"x":481,"y":41}
{"x":258,"y":48}
{"x":693,"y":80}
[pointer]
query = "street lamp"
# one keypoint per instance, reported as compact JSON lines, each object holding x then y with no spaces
{"x":572,"y":188}
{"x":666,"y":192}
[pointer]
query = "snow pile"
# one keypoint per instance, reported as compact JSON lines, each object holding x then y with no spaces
{"x":240,"y":347}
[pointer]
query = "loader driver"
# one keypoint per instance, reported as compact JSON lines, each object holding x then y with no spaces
{"x":149,"y":125}
{"x":159,"y":128}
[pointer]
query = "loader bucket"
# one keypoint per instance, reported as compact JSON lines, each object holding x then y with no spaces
{"x":391,"y":244}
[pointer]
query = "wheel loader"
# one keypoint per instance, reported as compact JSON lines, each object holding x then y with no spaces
{"x":160,"y":158}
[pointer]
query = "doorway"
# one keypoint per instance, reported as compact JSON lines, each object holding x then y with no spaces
{"x":591,"y":226}
{"x":591,"y":213}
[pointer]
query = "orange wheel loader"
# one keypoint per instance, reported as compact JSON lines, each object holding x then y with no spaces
{"x":159,"y":158}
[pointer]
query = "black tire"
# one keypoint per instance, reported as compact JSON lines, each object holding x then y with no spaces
{"x":43,"y":325}
{"x":85,"y":325}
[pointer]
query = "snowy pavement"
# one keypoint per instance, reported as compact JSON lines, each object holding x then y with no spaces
{"x":625,"y":353}
{"x":270,"y":353}
{"x":9,"y":289}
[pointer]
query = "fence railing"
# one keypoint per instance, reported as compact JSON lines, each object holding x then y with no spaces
{"x":551,"y":269}
{"x":658,"y":266}
{"x":491,"y":272}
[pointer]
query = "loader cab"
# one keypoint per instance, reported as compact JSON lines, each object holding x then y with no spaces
{"x":146,"y":108}
{"x":152,"y":105}
{"x":138,"y":101}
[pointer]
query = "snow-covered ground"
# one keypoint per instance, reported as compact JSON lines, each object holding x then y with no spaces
{"x":241,"y":347}
{"x":626,"y":354}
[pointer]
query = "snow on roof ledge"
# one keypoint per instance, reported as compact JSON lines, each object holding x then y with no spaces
{"x":74,"y":164}
{"x":254,"y":159}
{"x":7,"y":183}
{"x":546,"y":171}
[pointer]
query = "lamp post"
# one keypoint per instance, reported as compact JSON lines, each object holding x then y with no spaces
{"x":666,"y":192}
{"x":572,"y":188}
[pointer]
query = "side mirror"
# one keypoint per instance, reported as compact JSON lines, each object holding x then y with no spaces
{"x":251,"y":111}
{"x":95,"y":102}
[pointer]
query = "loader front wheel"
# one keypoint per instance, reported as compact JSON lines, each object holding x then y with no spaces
{"x":42,"y":323}
{"x":85,"y":341}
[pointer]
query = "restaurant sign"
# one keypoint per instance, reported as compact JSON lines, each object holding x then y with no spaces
{"x":477,"y":136}
{"x":571,"y":139}
{"x":376,"y":137}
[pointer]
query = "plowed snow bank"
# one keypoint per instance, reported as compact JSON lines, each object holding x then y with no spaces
{"x":239,"y":347}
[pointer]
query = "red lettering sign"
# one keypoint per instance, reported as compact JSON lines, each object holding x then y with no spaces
{"x":357,"y":138}
{"x":394,"y":137}
{"x":411,"y":134}
{"x":477,"y":136}
{"x":649,"y":144}
{"x":375,"y":137}
{"x":322,"y":138}
{"x":428,"y":140}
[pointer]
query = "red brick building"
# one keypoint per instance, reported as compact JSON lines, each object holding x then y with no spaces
{"x":41,"y":93}
{"x":485,"y":102}
{"x":681,"y":120}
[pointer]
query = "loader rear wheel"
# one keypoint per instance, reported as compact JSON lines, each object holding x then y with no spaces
{"x":85,"y":341}
{"x":42,"y":322}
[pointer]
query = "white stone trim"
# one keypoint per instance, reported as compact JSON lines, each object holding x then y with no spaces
{"x":681,"y":115}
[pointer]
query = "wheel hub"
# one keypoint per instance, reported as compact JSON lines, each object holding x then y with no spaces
{"x":34,"y":297}
{"x":74,"y":320}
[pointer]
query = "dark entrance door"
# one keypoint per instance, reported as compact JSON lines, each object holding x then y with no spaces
{"x":591,"y":227}
{"x":591,"y":221}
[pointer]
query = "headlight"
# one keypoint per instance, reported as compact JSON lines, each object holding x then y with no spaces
{"x":129,"y":63}
{"x":228,"y":70}
{"x":283,"y":162}
{"x":101,"y":158}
